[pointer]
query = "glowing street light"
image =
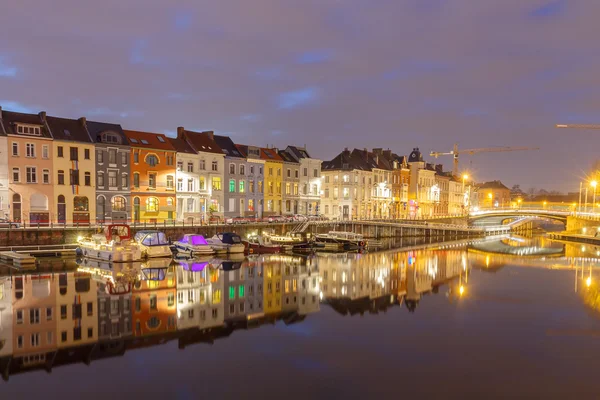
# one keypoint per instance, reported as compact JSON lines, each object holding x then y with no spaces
{"x":461,"y":289}
{"x":594,"y":184}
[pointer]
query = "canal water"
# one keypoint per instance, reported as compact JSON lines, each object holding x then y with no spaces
{"x":492,"y":318}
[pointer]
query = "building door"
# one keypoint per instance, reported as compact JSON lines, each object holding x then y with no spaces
{"x":346,"y":212}
{"x":61,"y":215}
{"x":16,"y":205}
{"x":136,"y":209}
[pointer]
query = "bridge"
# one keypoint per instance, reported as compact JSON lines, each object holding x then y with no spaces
{"x":502,"y":214}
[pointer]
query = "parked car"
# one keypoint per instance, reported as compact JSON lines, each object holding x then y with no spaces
{"x":276,"y":218}
{"x":300,"y":217}
{"x":6,"y":223}
{"x":236,"y":220}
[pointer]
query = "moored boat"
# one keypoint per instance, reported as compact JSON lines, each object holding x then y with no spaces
{"x":153,"y":244}
{"x":113,"y":244}
{"x":262,"y":244}
{"x":228,"y":242}
{"x":195,"y":244}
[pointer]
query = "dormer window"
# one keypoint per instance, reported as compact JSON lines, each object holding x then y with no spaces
{"x":144,"y":141}
{"x":29,"y":130}
{"x":110,"y":138}
{"x":160,"y":139}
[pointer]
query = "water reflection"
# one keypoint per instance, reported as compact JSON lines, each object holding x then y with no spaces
{"x":69,"y":311}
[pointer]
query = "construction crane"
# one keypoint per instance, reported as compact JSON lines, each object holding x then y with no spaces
{"x":578,"y":126}
{"x":457,"y":152}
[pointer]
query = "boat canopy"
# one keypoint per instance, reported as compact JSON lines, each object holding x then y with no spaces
{"x":151,"y":238}
{"x":194,"y":240}
{"x":229,"y":238}
{"x":120,"y":230}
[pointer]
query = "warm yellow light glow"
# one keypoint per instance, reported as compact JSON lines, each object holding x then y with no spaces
{"x":545,"y":202}
{"x":490,"y":195}
{"x":519,"y":201}
{"x":465,"y":176}
{"x":461,"y":289}
{"x":487,"y":261}
{"x":79,"y":238}
{"x":588,"y":281}
{"x":584,"y":230}
{"x":594,"y":184}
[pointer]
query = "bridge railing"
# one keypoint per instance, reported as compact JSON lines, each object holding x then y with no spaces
{"x":517,"y":211}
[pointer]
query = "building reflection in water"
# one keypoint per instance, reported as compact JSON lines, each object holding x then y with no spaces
{"x":67,"y":312}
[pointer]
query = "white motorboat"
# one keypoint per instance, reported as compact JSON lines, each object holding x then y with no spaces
{"x":113,"y":244}
{"x":230,"y":243}
{"x":153,"y":244}
{"x":195,"y":244}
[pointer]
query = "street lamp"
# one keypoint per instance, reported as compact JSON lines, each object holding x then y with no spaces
{"x":519,"y":202}
{"x":594,"y":184}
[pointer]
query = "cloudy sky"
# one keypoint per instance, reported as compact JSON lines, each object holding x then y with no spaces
{"x":326,"y":73}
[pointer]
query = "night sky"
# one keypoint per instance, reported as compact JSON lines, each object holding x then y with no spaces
{"x":326,"y":73}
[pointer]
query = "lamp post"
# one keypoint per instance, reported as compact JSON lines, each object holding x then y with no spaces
{"x":585,"y":209}
{"x":594,"y":184}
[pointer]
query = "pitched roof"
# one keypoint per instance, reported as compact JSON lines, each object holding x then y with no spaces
{"x":10,"y":119}
{"x":227,"y":146}
{"x":285,"y":156}
{"x":200,"y":141}
{"x":297,"y":152}
{"x":96,"y":129}
{"x":270,"y":155}
{"x":68,"y":129}
{"x":181,"y":146}
{"x":243,"y":149}
{"x":492,"y":185}
{"x":148,"y":140}
{"x":346,"y":161}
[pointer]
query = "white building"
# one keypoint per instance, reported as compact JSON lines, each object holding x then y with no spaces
{"x":347,"y":187}
{"x":423,"y":191}
{"x":187,"y":181}
{"x":309,"y":181}
{"x":208,"y":169}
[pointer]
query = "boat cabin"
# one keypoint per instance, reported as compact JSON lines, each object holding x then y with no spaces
{"x":151,"y":238}
{"x":194,"y":240}
{"x":229,"y":238}
{"x":117,"y":231}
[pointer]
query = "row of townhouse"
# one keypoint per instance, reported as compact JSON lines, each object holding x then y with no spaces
{"x":380,"y":184}
{"x":67,"y":171}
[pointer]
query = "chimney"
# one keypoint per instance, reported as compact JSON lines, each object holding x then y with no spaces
{"x":42,"y":115}
{"x":180,"y":130}
{"x":387,"y":153}
{"x":210,"y":134}
{"x":82,"y":121}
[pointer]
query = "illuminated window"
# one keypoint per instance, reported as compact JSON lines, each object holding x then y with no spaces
{"x":216,"y":297}
{"x":242,"y":188}
{"x":232,"y":185}
{"x":241,"y":290}
{"x":118,"y":203}
{"x":152,"y":204}
{"x":231,"y":293}
{"x":216,"y":183}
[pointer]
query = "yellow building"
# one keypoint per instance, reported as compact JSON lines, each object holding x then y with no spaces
{"x":73,"y":166}
{"x":273,"y":181}
{"x":76,"y":309}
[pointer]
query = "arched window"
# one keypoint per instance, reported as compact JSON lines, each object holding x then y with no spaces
{"x":153,"y":323}
{"x":152,"y":204}
{"x":16,"y":198}
{"x":81,"y":203}
{"x":136,"y":201}
{"x":169,"y":201}
{"x":151,"y":160}
{"x":61,"y":199}
{"x":118,"y":203}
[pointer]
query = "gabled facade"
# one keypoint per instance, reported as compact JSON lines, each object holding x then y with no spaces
{"x":273,"y":175}
{"x":381,"y":188}
{"x":291,"y":184}
{"x":423,"y":191}
{"x":310,"y":180}
{"x":400,"y":185}
{"x":493,"y":194}
{"x":30,"y":154}
{"x":153,"y":173}
{"x":234,"y":170}
{"x":442,"y":203}
{"x":113,"y":172}
{"x":347,"y":187}
{"x":187,"y":182}
{"x":74,"y":170}
{"x":254,"y":187}
{"x":210,"y":171}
